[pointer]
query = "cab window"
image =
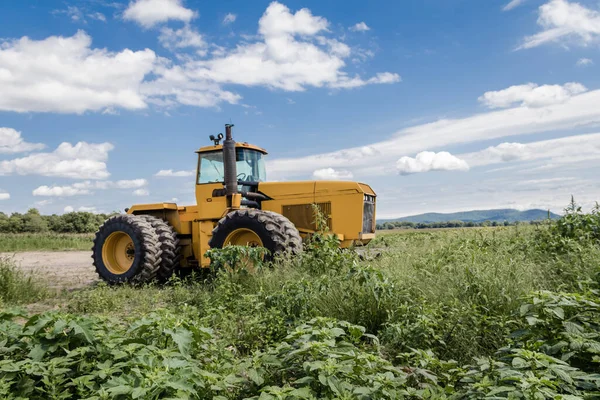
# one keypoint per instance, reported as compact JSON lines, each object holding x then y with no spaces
{"x":250,"y":165}
{"x":210,"y":167}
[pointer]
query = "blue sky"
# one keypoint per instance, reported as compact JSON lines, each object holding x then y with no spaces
{"x":439,"y":105}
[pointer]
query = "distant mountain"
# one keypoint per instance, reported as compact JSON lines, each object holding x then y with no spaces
{"x":509,"y":215}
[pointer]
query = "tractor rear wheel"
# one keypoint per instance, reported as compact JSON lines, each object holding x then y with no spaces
{"x":169,"y":244}
{"x":257,"y":228}
{"x":126,"y":249}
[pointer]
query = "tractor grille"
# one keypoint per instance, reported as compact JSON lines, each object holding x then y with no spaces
{"x":303,"y":216}
{"x":369,"y":214}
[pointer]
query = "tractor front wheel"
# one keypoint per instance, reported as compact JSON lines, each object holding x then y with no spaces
{"x":257,"y":228}
{"x":126,"y":249}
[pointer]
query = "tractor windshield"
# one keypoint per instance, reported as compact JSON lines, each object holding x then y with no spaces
{"x":250,"y":166}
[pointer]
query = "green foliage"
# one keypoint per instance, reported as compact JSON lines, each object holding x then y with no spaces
{"x":33,"y":222}
{"x":17,"y":287}
{"x":574,"y":230}
{"x":10,"y":242}
{"x":457,"y":314}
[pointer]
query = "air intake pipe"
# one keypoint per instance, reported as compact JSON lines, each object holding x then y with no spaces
{"x":229,"y":163}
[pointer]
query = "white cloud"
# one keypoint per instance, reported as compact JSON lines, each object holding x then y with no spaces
{"x":148,"y":13}
{"x":97,"y":16}
{"x":566,"y":22}
{"x":531,"y":95}
{"x":291,"y":55}
{"x":427,"y":161}
{"x":12,"y":142}
{"x":59,"y":191}
{"x":4,"y":196}
{"x":291,"y":52}
{"x":513,"y":4}
{"x":379,"y":157}
{"x":332,"y":174}
{"x":584,"y":62}
{"x":360,"y":27}
{"x":141,"y":192}
{"x":80,"y":161}
{"x":68,"y":209}
{"x":130,"y":184}
{"x":570,"y":149}
{"x":171,"y":173}
{"x":64,"y":75}
{"x":87,"y":187}
{"x":382,"y":77}
{"x":79,"y":15}
{"x":181,"y":38}
{"x":229,"y":19}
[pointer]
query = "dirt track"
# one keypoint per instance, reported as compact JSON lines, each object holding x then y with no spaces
{"x":62,"y":269}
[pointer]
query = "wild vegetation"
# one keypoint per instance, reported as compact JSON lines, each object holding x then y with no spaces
{"x":511,"y":312}
{"x":33,"y":222}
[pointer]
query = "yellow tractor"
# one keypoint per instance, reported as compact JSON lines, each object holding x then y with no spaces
{"x":234,"y":206}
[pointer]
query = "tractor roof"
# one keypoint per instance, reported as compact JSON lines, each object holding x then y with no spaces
{"x":237,"y":144}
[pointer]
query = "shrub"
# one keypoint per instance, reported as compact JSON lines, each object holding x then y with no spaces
{"x":17,"y":287}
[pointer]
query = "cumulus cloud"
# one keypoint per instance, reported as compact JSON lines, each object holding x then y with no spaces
{"x":359,"y":27}
{"x":148,"y":13}
{"x":4,"y":196}
{"x":12,"y":142}
{"x":427,"y":161}
{"x":130,"y":184}
{"x":584,"y":62}
{"x":59,"y":191}
{"x":65,"y":75}
{"x":562,"y":21}
{"x":87,"y":187}
{"x":171,"y":173}
{"x":332,"y":174}
{"x":141,"y":192}
{"x":68,"y":209}
{"x":181,"y":38}
{"x":531,"y":95}
{"x":292,"y":54}
{"x":80,"y":161}
{"x":229,"y":19}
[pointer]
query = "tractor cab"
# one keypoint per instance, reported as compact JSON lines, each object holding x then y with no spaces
{"x":250,"y":164}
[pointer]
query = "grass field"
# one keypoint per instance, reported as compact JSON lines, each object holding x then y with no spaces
{"x":11,"y":242}
{"x":459,"y":313}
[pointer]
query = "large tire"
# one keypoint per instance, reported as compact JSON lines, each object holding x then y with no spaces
{"x":126,"y":249}
{"x":169,"y":244}
{"x":276,"y":233}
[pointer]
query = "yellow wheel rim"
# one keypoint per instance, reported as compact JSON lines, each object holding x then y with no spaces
{"x":243,"y":237}
{"x":118,"y":252}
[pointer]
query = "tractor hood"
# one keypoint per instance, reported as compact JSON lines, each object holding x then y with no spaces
{"x":348,"y":206}
{"x":311,"y":190}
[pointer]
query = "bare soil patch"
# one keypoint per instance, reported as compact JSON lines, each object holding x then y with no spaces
{"x":60,"y":269}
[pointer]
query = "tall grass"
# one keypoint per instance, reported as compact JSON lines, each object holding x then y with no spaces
{"x":17,"y":287}
{"x":10,"y":242}
{"x":453,"y":291}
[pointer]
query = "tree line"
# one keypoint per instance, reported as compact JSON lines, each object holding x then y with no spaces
{"x":448,"y":224}
{"x":33,"y":222}
{"x":85,"y":222}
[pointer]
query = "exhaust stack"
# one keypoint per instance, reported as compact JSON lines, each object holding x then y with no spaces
{"x":229,"y":163}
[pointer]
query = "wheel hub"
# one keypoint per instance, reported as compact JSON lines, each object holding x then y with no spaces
{"x":118,"y":252}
